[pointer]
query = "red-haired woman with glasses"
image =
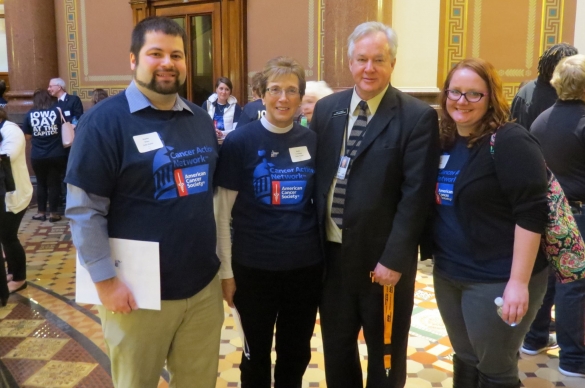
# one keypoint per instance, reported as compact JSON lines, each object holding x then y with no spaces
{"x":490,"y":213}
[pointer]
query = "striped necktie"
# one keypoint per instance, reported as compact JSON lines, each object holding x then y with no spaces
{"x":351,"y":147}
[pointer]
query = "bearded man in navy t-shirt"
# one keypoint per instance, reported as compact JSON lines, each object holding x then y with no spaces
{"x":141,"y":169}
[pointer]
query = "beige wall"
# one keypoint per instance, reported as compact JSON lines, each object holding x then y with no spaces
{"x":93,"y":39}
{"x":580,"y":27}
{"x":418,"y":44}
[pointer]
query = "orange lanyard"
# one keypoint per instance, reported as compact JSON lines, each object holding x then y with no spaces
{"x":388,"y":319}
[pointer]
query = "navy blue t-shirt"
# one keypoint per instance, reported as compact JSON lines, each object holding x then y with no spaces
{"x":44,"y":125}
{"x":274,"y":218}
{"x":252,"y":111}
{"x":451,"y":250}
{"x":163,"y":195}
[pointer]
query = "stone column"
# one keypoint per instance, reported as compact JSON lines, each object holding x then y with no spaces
{"x":32,"y":51}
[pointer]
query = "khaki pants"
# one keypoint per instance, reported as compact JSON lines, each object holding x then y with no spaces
{"x":185,"y":333}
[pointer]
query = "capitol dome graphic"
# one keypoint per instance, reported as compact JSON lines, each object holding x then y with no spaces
{"x":162,"y":167}
{"x":262,"y":181}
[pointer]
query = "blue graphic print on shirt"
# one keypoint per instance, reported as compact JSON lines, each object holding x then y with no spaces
{"x":180,"y":173}
{"x":262,"y":182}
{"x":280,"y":186}
{"x":445,"y":184}
{"x":218,"y":116}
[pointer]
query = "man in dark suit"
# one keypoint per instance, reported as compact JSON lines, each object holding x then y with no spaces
{"x":372,"y":213}
{"x":70,"y":105}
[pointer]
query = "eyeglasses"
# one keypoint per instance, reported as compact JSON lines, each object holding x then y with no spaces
{"x":277,"y":91}
{"x":455,"y":95}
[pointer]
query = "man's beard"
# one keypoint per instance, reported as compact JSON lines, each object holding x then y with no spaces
{"x":161,"y":88}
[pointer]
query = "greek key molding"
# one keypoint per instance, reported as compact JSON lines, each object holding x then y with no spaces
{"x":73,"y":52}
{"x":455,"y":33}
{"x":551,"y":29}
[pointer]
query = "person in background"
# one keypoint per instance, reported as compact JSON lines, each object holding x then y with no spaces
{"x":13,"y":144}
{"x":253,"y":110}
{"x":97,"y":95}
{"x":272,"y":272}
{"x":533,"y":99}
{"x":490,"y":213}
{"x":315,"y":91}
{"x":42,"y":126}
{"x":372,"y":211}
{"x":70,"y":105}
{"x":538,"y":95}
{"x":223,"y":108}
{"x":3,"y":101}
{"x":561,"y":133}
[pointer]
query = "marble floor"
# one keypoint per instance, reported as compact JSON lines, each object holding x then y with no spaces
{"x":48,"y":340}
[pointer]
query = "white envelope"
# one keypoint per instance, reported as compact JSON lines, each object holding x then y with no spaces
{"x":137,"y":265}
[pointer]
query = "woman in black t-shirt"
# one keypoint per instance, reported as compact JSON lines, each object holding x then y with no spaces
{"x":272,"y":271}
{"x":42,"y":126}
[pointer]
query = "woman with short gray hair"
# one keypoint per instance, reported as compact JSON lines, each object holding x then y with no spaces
{"x":561,"y":132}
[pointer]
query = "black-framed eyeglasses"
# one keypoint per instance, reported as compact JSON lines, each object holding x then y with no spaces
{"x":455,"y":95}
{"x":277,"y":91}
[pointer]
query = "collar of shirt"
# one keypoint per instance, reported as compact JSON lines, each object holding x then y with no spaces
{"x":273,"y":128}
{"x":138,"y":101}
{"x":373,"y":103}
{"x":62,"y":98}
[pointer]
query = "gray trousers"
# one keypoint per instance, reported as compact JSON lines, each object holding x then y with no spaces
{"x":478,"y":335}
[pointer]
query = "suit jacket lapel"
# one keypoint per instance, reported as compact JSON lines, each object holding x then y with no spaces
{"x":337,"y":128}
{"x":384,"y":114}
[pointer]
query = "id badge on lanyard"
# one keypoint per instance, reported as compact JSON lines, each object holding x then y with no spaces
{"x":343,"y":166}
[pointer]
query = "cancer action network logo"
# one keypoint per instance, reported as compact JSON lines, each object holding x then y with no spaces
{"x":180,"y":173}
{"x":284,"y":185}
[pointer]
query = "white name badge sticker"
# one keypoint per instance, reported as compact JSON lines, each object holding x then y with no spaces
{"x":148,"y":142}
{"x":67,"y":113}
{"x":298,"y":154}
{"x":443,"y":161}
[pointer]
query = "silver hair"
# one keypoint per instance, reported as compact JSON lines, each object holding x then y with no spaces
{"x":368,"y":28}
{"x":318,"y":89}
{"x":59,"y":81}
{"x":569,"y":78}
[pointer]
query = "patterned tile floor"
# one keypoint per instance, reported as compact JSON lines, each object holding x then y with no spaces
{"x":47,"y":340}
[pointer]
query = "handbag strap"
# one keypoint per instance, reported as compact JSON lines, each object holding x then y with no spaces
{"x":62,"y":118}
{"x":493,"y":142}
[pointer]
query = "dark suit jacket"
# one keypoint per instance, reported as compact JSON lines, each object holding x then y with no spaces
{"x":391,"y":182}
{"x":73,"y":105}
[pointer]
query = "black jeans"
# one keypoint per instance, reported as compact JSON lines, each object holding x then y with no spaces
{"x":3,"y":283}
{"x":13,"y":250}
{"x":49,"y":173}
{"x":288,"y":299}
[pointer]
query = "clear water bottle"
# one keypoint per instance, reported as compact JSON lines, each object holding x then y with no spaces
{"x":74,"y":121}
{"x":499,"y":303}
{"x":303,"y":121}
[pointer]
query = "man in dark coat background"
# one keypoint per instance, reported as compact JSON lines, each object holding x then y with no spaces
{"x":372,"y":214}
{"x":70,"y":105}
